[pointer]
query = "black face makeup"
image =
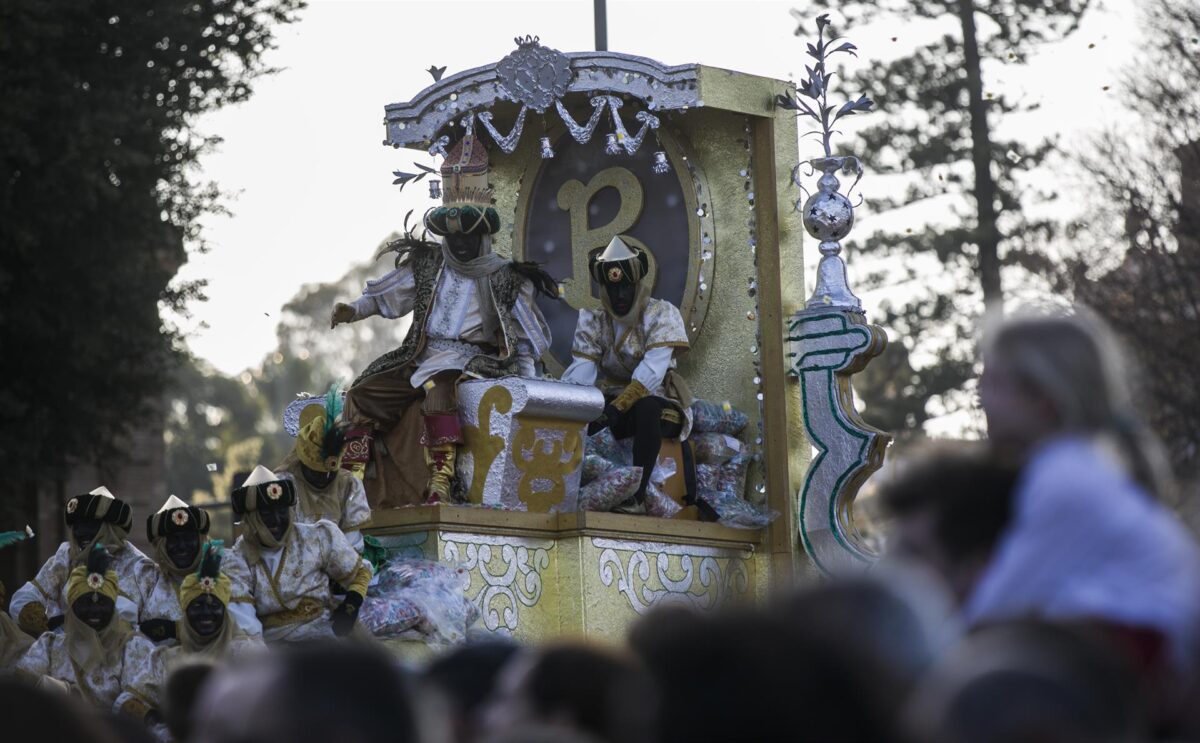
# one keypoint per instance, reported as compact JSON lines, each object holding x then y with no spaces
{"x":182,"y":547}
{"x":463,"y":247}
{"x":205,"y":614}
{"x":276,"y":519}
{"x":317,"y":479}
{"x":84,"y":531}
{"x":621,"y":296}
{"x":94,"y":610}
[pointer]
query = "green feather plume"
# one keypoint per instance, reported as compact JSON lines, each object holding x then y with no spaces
{"x":9,"y":538}
{"x":210,"y":563}
{"x":333,"y":405}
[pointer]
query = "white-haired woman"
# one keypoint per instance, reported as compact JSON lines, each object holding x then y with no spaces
{"x":1090,"y":539}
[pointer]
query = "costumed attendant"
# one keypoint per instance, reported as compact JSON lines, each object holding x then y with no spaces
{"x":473,"y":315}
{"x":13,"y":642}
{"x":178,"y":532}
{"x":99,"y":656}
{"x":289,"y":566}
{"x":93,"y":518}
{"x":628,"y":349}
{"x":207,"y":631}
{"x":323,"y":489}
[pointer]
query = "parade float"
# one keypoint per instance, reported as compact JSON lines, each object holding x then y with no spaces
{"x":696,"y":168}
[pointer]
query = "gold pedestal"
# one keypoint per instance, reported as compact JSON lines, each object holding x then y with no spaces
{"x":538,"y":576}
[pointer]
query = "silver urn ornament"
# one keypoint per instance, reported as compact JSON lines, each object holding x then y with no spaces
{"x":828,"y":215}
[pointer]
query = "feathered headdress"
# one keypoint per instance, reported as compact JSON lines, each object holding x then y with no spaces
{"x":320,"y":439}
{"x":94,"y":577}
{"x":208,"y":578}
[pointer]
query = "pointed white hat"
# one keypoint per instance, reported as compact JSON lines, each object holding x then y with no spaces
{"x":103,"y":493}
{"x":617,"y":250}
{"x":172,"y":503}
{"x":260,"y":476}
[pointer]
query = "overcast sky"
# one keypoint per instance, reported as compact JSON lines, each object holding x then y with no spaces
{"x":313,"y":181}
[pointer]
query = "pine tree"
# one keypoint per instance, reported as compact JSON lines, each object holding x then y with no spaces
{"x":936,"y":126}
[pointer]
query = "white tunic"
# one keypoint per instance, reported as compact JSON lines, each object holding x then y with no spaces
{"x":164,"y":596}
{"x":343,"y":501}
{"x":136,"y":576}
{"x":297,"y":575}
{"x":131,"y":682}
{"x":454,"y":321}
{"x":610,"y":355}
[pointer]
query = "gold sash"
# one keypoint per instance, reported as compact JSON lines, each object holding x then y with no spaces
{"x":307,"y":610}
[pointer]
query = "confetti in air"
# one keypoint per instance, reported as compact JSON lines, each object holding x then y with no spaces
{"x":211,"y":466}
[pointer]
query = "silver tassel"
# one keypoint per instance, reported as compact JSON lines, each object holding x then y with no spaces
{"x":661,"y":164}
{"x":547,"y":150}
{"x":435,"y":189}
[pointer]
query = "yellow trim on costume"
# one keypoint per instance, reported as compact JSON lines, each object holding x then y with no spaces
{"x":633,"y":392}
{"x":358,"y":580}
{"x":32,"y":618}
{"x":306,"y":610}
{"x":671,"y":415}
{"x":586,"y":356}
{"x":43,"y":591}
{"x":273,"y":579}
{"x":670,"y":344}
{"x":241,"y":600}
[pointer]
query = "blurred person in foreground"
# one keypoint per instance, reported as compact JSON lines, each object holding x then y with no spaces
{"x":577,"y":689}
{"x":949,"y":505}
{"x":466,"y":677}
{"x":1028,"y":681}
{"x":30,"y":714}
{"x":316,"y":692}
{"x":750,"y":675}
{"x":1089,"y":539}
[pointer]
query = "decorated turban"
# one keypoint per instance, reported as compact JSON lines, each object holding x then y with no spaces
{"x":263,"y":487}
{"x":99,"y":505}
{"x":619,"y":263}
{"x":93,"y":577}
{"x":319,"y":440}
{"x":208,"y":579}
{"x":176,"y":516}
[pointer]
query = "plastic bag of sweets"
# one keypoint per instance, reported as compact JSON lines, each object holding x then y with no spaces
{"x":710,"y":417}
{"x":594,"y":466}
{"x":610,"y":489}
{"x":390,"y":616}
{"x":659,"y":504}
{"x":721,"y":487}
{"x":437,"y":592}
{"x":714,"y":448}
{"x":602,"y":444}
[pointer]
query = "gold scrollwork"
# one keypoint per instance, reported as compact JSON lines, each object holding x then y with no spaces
{"x":485,"y":447}
{"x":540,"y":457}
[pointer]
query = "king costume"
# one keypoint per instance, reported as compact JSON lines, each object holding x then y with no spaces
{"x":628,"y":349}
{"x":473,"y":315}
